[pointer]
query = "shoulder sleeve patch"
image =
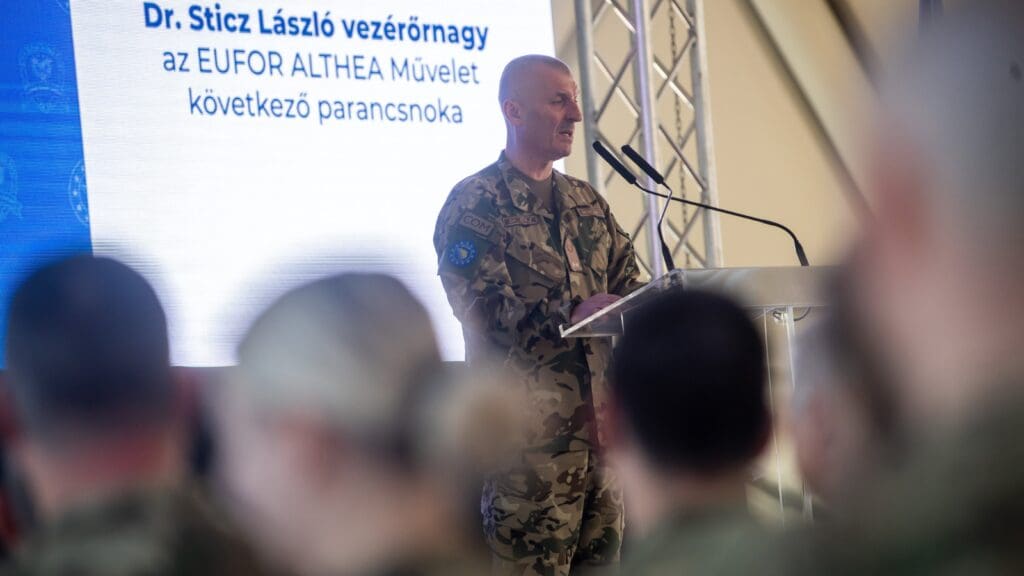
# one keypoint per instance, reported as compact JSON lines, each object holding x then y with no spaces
{"x":464,"y":254}
{"x":476,"y":224}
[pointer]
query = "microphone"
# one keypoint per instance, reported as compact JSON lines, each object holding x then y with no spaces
{"x":650,"y":171}
{"x":628,"y":176}
{"x":642,"y":163}
{"x":614,"y":162}
{"x":658,"y":179}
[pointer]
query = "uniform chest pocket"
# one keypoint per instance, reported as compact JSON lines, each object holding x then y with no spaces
{"x":595,"y":243}
{"x":534,"y":270}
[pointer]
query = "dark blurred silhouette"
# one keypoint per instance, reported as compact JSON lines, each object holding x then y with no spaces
{"x":842,"y":417}
{"x":343,"y":444}
{"x":938,"y":284}
{"x":97,"y":427}
{"x":690,"y":416}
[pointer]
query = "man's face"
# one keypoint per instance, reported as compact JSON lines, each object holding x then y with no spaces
{"x":547,"y":112}
{"x":910,"y":283}
{"x":269,"y":493}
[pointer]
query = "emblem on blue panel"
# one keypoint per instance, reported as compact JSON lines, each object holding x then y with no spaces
{"x":462,"y":253}
{"x":9,"y":205}
{"x":77,"y":194}
{"x":42,"y":77}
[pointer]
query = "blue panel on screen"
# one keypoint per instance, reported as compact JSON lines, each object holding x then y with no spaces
{"x":44,"y":211}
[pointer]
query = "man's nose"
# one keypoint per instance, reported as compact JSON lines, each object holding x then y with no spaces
{"x":575,"y":113}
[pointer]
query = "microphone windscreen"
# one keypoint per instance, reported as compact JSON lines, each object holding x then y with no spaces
{"x":642,"y":163}
{"x":614,"y":162}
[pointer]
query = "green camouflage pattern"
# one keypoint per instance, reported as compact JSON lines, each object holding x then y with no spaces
{"x":153,"y":533}
{"x":704,"y":542}
{"x":954,"y":508}
{"x":553,"y":513}
{"x":511,"y":285}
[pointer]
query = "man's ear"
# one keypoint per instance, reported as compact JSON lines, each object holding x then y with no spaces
{"x":513,"y":113}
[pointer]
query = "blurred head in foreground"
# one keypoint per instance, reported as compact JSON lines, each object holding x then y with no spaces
{"x":343,"y":442}
{"x":690,"y":409}
{"x":940,"y":270}
{"x":841,"y":419}
{"x":94,"y":408}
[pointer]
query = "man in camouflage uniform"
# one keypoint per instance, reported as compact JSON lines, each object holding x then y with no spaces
{"x":522,"y":250}
{"x":99,"y":431}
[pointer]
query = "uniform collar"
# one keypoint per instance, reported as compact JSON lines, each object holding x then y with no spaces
{"x":519,"y":189}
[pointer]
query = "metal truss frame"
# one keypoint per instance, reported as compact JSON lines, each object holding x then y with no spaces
{"x":655,"y":81}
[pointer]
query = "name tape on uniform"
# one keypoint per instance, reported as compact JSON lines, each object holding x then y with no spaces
{"x":476,"y":224}
{"x":520,"y":220}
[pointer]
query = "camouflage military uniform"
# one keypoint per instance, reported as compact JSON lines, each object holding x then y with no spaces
{"x":703,"y":542}
{"x":147,"y":533}
{"x":511,"y":284}
{"x":955,"y":508}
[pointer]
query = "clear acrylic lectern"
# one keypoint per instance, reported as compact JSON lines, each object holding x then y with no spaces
{"x":779,"y":301}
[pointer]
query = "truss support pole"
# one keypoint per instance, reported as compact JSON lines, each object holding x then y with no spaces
{"x":652,"y":81}
{"x":648,"y":125}
{"x":705,"y":140}
{"x":585,"y":50}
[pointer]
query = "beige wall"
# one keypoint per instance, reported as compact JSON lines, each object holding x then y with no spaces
{"x":770,"y":159}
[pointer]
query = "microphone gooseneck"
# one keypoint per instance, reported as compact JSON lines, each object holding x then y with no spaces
{"x":628,"y":176}
{"x":657,"y":177}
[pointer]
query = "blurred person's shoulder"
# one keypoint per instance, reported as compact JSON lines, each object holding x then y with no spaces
{"x":451,"y":563}
{"x":207,"y":542}
{"x":148,"y":532}
{"x":722,"y":541}
{"x":955,"y":506}
{"x":961,"y":500}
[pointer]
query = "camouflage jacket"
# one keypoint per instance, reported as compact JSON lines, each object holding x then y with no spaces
{"x":512,"y":285}
{"x":153,"y":533}
{"x":954,"y":507}
{"x":704,"y":542}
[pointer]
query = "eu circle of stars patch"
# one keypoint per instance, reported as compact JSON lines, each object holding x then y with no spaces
{"x":462,"y":253}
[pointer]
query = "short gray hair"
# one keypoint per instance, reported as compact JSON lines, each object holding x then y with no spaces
{"x":514,"y":71}
{"x":349,"y":348}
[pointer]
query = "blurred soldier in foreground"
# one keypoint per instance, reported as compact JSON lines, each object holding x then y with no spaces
{"x":690,"y":416}
{"x":523,"y":249}
{"x":99,"y":431}
{"x":940,"y":282}
{"x":345,"y":448}
{"x":841,"y":417}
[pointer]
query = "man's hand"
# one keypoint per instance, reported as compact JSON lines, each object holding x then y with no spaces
{"x":591,"y":305}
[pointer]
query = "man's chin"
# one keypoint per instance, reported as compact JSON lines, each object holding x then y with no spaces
{"x":560,"y":152}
